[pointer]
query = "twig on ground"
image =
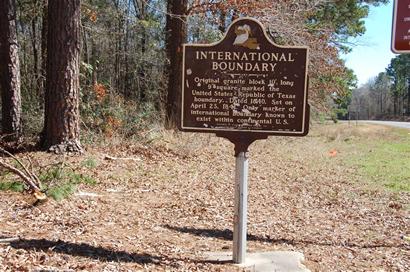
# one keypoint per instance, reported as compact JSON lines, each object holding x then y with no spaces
{"x":28,"y":177}
{"x":20,"y":173}
{"x":28,"y":172}
{"x":111,"y":158}
{"x":9,"y":240}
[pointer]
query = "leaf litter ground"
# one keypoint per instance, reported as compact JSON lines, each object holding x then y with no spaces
{"x":161,"y":207}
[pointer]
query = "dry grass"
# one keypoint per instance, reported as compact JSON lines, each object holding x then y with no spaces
{"x":350,"y":131}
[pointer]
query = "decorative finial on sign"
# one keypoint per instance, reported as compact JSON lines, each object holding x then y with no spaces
{"x":244,"y":37}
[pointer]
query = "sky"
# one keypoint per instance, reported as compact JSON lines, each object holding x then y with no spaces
{"x":372,"y":54}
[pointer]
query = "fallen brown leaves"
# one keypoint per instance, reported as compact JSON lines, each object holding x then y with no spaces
{"x":164,"y":209}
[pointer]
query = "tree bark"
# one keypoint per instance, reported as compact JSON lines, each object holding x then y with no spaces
{"x":395,"y":102}
{"x":9,"y":71}
{"x":141,"y":69}
{"x":34,"y":85}
{"x":222,"y":21}
{"x":61,"y":128}
{"x":175,"y":37}
{"x":118,"y":49}
{"x":94,"y":60}
{"x":141,"y":11}
{"x":408,"y":97}
{"x":126,"y":79}
{"x":43,"y":68}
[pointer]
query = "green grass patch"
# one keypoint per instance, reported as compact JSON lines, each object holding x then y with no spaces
{"x":8,"y":182}
{"x":62,"y":191}
{"x":384,"y":161}
{"x":90,"y":163}
{"x":11,"y":186}
{"x":60,"y":182}
{"x":57,"y":182}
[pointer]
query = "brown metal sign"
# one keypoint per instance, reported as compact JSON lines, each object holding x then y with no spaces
{"x":401,"y":27}
{"x":245,"y":83}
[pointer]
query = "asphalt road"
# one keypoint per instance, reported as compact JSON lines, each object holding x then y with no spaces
{"x":388,"y":123}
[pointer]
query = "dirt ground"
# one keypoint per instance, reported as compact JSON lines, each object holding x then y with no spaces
{"x":168,"y":203}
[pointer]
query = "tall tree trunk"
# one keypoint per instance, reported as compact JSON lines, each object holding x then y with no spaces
{"x":398,"y":105}
{"x":395,"y":101}
{"x":62,"y":117}
{"x":94,"y":60}
{"x":9,"y":70}
{"x":43,"y":68}
{"x":35,"y":53}
{"x":222,"y":21}
{"x":141,"y":69}
{"x":401,"y":108}
{"x":126,"y":79}
{"x":408,"y":96}
{"x":175,"y":37}
{"x":119,"y":48}
{"x":141,"y":11}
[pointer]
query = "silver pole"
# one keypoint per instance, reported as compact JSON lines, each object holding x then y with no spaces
{"x":240,"y":216}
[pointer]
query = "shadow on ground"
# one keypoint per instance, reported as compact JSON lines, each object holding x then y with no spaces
{"x":100,"y":253}
{"x":84,"y":250}
{"x":227,"y":234}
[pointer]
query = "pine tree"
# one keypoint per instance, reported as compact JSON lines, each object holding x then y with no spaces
{"x":9,"y":71}
{"x":62,"y":118}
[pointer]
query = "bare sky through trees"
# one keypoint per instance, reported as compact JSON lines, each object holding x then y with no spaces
{"x":372,"y":54}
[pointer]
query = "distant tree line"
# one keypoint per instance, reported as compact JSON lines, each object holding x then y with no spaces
{"x":386,"y":96}
{"x":114,"y":66}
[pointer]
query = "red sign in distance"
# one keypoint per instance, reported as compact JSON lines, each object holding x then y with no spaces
{"x":401,"y":27}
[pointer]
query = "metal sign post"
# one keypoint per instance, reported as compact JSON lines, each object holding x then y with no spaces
{"x":242,"y":141}
{"x":241,"y":205}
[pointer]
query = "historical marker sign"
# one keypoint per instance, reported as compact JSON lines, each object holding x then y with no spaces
{"x":401,"y":27}
{"x":244,"y":88}
{"x":245,"y":83}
